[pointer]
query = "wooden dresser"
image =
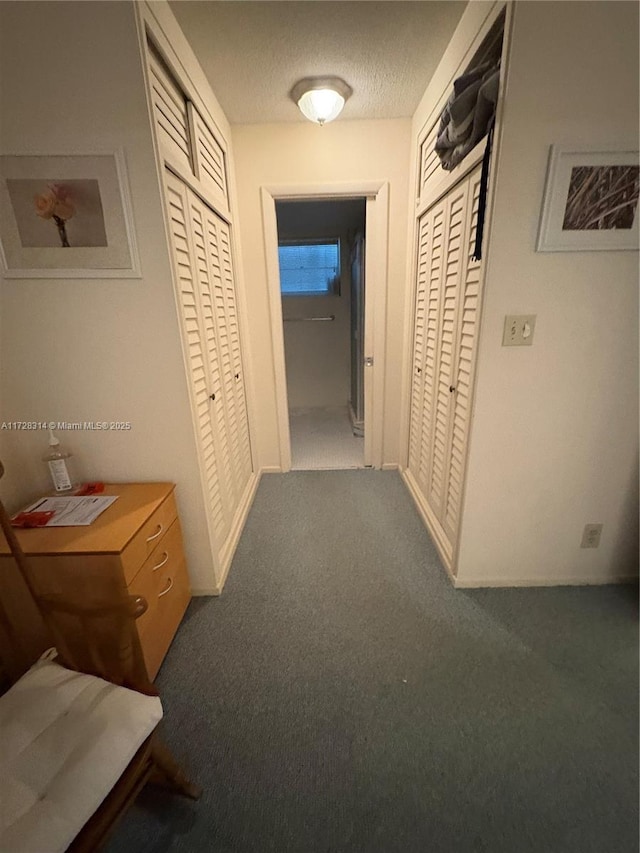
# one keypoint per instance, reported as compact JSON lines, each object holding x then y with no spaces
{"x":135,"y":545}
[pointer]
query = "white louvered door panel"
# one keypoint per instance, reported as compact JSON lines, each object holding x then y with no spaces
{"x":448,"y":297}
{"x":195,"y":347}
{"x":453,"y":260}
{"x":236,"y":354}
{"x":224,"y":350}
{"x":198,"y":215}
{"x":468,"y":315}
{"x":209,"y":157}
{"x":218,"y":246}
{"x":430,"y":168}
{"x":432,"y":336}
{"x":170,"y":111}
{"x":417,"y":388}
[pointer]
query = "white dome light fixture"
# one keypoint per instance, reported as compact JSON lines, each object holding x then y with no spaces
{"x":321,"y":99}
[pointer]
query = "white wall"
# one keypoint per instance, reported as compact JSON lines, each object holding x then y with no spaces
{"x":318,"y":354}
{"x":555,"y":431}
{"x":93,"y":349}
{"x":303,"y":154}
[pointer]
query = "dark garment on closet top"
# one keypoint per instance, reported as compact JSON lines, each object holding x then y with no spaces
{"x":468,"y":114}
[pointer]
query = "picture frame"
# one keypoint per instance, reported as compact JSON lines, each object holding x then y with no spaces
{"x":590,"y":201}
{"x":66,"y":216}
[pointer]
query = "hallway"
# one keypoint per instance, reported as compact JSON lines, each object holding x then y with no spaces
{"x":342,"y":696}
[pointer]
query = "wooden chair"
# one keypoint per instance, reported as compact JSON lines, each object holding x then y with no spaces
{"x":93,"y":638}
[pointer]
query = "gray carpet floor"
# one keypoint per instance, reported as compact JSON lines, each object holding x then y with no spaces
{"x":342,"y":696}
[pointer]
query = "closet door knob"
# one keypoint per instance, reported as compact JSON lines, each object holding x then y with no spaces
{"x":237,"y":376}
{"x":452,"y":388}
{"x":212,"y":396}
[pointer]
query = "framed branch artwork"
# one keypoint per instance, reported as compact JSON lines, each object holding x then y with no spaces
{"x":590,"y":201}
{"x":66,"y":217}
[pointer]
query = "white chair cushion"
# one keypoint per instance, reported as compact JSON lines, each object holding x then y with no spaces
{"x":65,"y":740}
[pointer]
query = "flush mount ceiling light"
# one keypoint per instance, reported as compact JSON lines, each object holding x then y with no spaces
{"x":321,"y":99}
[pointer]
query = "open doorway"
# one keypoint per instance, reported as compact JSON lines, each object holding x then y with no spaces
{"x":375,"y":251}
{"x":321,"y":265}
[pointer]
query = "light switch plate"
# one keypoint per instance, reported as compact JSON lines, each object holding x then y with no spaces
{"x":518,"y":330}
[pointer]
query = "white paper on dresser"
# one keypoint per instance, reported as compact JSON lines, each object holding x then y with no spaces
{"x":72,"y":511}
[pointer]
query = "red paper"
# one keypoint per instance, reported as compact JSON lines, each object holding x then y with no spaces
{"x":89,"y":489}
{"x":31,"y":519}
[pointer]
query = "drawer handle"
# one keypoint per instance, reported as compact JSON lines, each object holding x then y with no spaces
{"x":155,"y":535}
{"x":168,"y":589}
{"x":161,"y":564}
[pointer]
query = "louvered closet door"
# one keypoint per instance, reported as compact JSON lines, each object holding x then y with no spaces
{"x":437,"y":217}
{"x":417,"y":390}
{"x":452,"y":264}
{"x":229,"y":355}
{"x":431,"y":230}
{"x":209,"y":158}
{"x":445,"y":325}
{"x":467,"y":327}
{"x":198,"y":213}
{"x":189,"y":273}
{"x":170,"y":111}
{"x":430,"y":169}
{"x":231,"y":307}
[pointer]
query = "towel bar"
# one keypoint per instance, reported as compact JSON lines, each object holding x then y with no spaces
{"x":310,"y":319}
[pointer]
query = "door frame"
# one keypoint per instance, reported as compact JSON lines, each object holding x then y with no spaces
{"x":376,"y":194}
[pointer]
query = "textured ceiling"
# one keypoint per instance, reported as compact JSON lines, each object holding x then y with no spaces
{"x":253,"y":52}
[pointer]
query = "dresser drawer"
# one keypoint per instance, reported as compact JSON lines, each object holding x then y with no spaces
{"x":148,"y":538}
{"x":164,"y":583}
{"x":151,"y":580}
{"x":172,"y":601}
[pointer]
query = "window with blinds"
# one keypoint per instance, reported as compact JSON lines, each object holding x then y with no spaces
{"x":310,"y":268}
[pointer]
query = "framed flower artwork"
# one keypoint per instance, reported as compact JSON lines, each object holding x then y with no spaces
{"x":66,"y":217}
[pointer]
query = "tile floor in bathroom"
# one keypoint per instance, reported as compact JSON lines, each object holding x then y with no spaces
{"x":322,"y":439}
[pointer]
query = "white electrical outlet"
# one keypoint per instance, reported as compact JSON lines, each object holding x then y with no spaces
{"x":518,"y":330}
{"x":591,"y":536}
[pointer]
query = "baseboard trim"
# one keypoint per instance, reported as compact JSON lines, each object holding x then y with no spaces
{"x":504,"y":583}
{"x":201,"y":592}
{"x":390,"y":466}
{"x":425,"y":515}
{"x":270,"y":469}
{"x":238,"y":527}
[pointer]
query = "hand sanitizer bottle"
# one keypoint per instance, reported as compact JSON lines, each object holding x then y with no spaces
{"x":57,"y":460}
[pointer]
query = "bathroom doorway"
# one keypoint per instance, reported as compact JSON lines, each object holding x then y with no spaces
{"x":373,"y":254}
{"x":322,"y":287}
